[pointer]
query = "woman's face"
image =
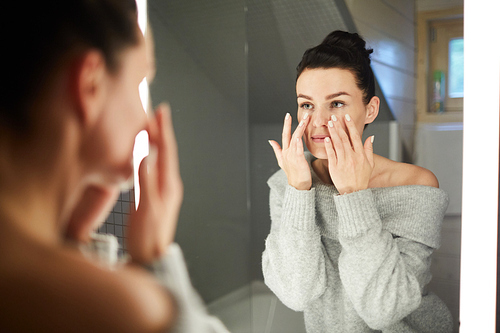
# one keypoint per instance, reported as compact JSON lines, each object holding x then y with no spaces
{"x":121,"y":119}
{"x":325,"y":92}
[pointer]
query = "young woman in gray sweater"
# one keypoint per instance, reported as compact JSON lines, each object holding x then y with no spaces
{"x":352,"y":232}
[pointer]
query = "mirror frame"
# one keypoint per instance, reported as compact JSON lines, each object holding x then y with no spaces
{"x":478,"y":269}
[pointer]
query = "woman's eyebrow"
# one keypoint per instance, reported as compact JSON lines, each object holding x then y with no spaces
{"x":340,"y":93}
{"x":303,"y":96}
{"x":331,"y":96}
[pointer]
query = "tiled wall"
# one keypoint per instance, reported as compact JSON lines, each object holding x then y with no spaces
{"x":117,"y":219}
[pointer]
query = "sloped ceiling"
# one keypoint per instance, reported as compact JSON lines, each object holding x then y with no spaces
{"x":274,"y":35}
{"x":278,"y":33}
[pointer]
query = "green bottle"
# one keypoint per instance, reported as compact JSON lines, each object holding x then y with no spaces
{"x":438,"y":92}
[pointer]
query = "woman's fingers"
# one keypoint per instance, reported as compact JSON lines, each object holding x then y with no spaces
{"x":297,"y":143}
{"x":333,"y":128}
{"x":330,"y":152}
{"x":162,"y":139}
{"x":170,"y":160}
{"x":291,"y":157}
{"x":152,"y":226}
{"x":368,"y":147}
{"x":277,"y":151}
{"x":147,"y":175}
{"x":354,"y":136}
{"x":91,"y":210}
{"x":287,"y":131}
{"x":299,"y":131}
{"x":346,"y":141}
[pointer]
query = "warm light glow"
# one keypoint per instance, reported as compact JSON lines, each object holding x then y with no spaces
{"x":480,"y":167}
{"x":141,"y":147}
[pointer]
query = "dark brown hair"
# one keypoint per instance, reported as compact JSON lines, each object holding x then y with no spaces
{"x":341,"y":49}
{"x":37,"y":36}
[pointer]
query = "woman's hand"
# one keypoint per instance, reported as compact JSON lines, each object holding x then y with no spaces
{"x":92,"y":209}
{"x":291,"y":158}
{"x":350,"y":164}
{"x":152,"y":227}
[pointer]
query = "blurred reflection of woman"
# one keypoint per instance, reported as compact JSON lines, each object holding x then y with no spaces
{"x":352,"y":232}
{"x":69,"y":114}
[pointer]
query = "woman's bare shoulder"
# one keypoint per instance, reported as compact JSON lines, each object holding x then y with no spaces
{"x":61,"y":291}
{"x":400,"y":174}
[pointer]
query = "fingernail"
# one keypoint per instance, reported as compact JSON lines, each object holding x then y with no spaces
{"x":270,"y":143}
{"x":334,"y":118}
{"x":287,"y":116}
{"x":301,"y":123}
{"x":330,"y":123}
{"x":327,"y":139}
{"x":347,"y":117}
{"x":305,"y":116}
{"x":373,"y":138}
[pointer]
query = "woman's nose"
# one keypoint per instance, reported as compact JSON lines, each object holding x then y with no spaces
{"x":320,"y":117}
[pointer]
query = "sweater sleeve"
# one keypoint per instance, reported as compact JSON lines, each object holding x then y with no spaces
{"x":293,"y":262}
{"x":383,"y":276}
{"x":171,"y":272}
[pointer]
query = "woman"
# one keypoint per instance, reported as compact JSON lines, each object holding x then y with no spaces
{"x":70,"y":111}
{"x":352,"y":232}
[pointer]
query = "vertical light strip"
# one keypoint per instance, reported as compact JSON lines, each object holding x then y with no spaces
{"x":480,"y":167}
{"x":141,"y":147}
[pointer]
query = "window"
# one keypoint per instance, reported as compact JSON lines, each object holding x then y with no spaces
{"x":456,"y":68}
{"x":446,"y":65}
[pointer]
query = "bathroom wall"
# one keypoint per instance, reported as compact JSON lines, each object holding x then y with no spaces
{"x":388,"y":26}
{"x":201,"y":71}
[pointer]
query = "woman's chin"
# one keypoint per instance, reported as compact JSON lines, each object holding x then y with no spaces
{"x":318,"y":152}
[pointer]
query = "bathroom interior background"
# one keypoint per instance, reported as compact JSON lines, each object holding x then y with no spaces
{"x":227,"y":67}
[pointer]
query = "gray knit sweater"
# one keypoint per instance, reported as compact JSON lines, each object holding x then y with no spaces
{"x":358,"y":262}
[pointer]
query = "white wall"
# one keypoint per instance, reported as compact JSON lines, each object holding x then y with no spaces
{"x":438,"y":147}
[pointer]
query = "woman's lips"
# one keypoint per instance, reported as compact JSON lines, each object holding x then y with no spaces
{"x":319,"y":138}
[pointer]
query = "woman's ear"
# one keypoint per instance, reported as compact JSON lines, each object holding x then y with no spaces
{"x":372,"y":109}
{"x":90,"y":86}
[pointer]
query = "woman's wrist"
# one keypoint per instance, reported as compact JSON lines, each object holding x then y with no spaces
{"x":301,"y":186}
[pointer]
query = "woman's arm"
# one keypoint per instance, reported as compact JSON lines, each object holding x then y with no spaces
{"x":293,"y":262}
{"x":383,"y":276}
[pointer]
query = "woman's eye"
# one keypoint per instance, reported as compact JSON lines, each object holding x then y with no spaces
{"x":338,"y":104}
{"x":306,"y":106}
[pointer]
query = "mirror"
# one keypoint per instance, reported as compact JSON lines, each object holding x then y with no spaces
{"x":227,"y":68}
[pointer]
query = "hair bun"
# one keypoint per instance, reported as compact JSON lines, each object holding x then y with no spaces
{"x":348,"y":41}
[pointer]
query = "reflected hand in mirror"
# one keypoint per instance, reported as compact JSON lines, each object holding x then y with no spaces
{"x":291,"y":156}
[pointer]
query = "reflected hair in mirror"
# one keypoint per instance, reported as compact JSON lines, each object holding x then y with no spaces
{"x":344,"y":50}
